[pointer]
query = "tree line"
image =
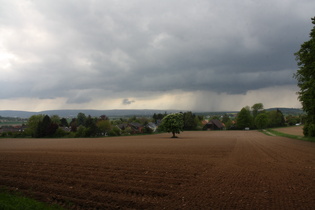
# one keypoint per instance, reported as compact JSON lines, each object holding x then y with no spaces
{"x":256,"y":117}
{"x":40,"y":126}
{"x":248,"y":118}
{"x":44,"y":126}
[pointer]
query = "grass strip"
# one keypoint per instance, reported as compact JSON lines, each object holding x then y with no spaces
{"x":277,"y":133}
{"x":13,"y":201}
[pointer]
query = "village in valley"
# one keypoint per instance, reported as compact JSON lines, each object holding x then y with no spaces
{"x":83,"y":125}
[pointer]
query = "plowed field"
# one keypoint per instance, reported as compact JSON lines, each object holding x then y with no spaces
{"x":294,"y":130}
{"x":199,"y":170}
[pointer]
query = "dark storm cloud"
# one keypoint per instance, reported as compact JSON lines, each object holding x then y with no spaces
{"x":126,"y":101}
{"x":80,"y":50}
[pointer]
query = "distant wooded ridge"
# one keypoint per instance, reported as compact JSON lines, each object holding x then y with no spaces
{"x":125,"y":112}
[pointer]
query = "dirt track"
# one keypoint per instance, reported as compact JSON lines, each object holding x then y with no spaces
{"x":199,"y":170}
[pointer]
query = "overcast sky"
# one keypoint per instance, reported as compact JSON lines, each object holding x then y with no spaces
{"x":205,"y":55}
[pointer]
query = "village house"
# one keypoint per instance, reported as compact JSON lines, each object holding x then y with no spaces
{"x":134,"y":127}
{"x":12,"y":129}
{"x":214,"y":124}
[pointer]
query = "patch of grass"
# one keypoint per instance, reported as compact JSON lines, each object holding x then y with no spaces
{"x":266,"y":132}
{"x":13,"y":201}
{"x":277,"y":133}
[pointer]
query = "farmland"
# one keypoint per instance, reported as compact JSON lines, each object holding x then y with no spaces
{"x":200,"y":170}
{"x":294,"y":130}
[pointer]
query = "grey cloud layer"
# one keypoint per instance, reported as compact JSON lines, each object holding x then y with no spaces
{"x":98,"y":48}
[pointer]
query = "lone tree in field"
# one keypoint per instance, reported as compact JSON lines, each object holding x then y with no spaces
{"x":306,"y":81}
{"x":173,"y":123}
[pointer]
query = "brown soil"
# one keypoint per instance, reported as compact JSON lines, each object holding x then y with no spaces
{"x":294,"y":130}
{"x":198,"y":170}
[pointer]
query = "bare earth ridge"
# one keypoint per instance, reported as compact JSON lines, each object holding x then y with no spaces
{"x":199,"y":170}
